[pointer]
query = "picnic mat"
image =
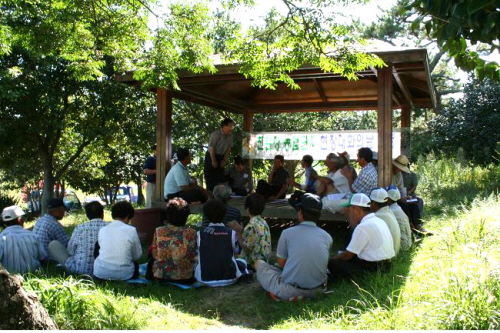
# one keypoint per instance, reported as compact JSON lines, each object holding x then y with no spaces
{"x":142,"y":280}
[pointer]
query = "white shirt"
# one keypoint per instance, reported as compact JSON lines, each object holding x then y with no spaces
{"x":372,"y":240}
{"x":404,"y":225}
{"x":119,"y":247}
{"x":340,"y":182}
{"x":388,"y":217}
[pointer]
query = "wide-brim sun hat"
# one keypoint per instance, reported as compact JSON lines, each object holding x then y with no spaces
{"x":401,"y":162}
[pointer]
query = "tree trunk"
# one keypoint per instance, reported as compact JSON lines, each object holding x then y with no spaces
{"x":48,"y":184}
{"x":140,"y":196}
{"x":21,"y":310}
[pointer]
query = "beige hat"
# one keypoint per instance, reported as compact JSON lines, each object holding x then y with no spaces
{"x":401,"y":162}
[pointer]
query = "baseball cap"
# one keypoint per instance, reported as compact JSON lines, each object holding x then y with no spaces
{"x":393,"y":192}
{"x":358,"y":199}
{"x":309,"y":202}
{"x":378,"y":194}
{"x":12,"y":213}
{"x":55,"y":203}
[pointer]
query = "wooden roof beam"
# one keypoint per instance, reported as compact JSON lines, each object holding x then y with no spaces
{"x":404,"y":89}
{"x":320,"y":90}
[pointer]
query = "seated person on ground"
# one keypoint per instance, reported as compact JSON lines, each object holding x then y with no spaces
{"x":371,"y":246}
{"x":20,"y":249}
{"x":414,"y":209}
{"x":401,"y":217}
{"x":223,"y":193}
{"x":255,"y":238}
{"x":368,"y":177}
{"x":380,"y":206}
{"x":276,"y":185}
{"x":303,"y":252}
{"x":178,"y":183}
{"x":240,"y":177}
{"x":310,"y":174}
{"x":174,"y":246}
{"x":47,"y":228}
{"x":335,"y":181}
{"x":119,"y":246}
{"x":79,"y":258}
{"x":217,"y":243}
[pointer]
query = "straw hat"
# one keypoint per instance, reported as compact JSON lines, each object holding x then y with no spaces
{"x":401,"y":162}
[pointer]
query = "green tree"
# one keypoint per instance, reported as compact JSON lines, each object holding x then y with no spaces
{"x":470,"y":123}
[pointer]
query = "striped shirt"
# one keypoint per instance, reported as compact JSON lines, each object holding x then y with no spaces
{"x":47,"y":228}
{"x":81,"y":247}
{"x":367,"y":180}
{"x":20,"y":250}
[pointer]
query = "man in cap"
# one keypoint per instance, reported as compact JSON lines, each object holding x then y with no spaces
{"x":48,"y":228}
{"x":302,"y":252}
{"x":367,"y":178}
{"x":20,"y":249}
{"x":379,"y":205}
{"x":401,"y":217}
{"x":371,"y":246}
{"x":78,"y":257}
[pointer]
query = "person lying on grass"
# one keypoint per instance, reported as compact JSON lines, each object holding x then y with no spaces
{"x":255,"y":238}
{"x":371,"y":246}
{"x":119,"y":246}
{"x":217,"y":243}
{"x":303,"y":252}
{"x":173,"y":249}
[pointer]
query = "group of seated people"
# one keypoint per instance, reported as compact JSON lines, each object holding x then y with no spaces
{"x":224,"y":250}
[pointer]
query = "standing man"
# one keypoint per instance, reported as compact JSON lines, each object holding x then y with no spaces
{"x":302,"y":256}
{"x":178,"y":183}
{"x":219,"y":147}
{"x":150,"y":172}
{"x":48,"y":228}
{"x":368,"y":177}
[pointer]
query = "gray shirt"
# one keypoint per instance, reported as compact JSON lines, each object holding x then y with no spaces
{"x":241,"y":180}
{"x":220,"y":142}
{"x":306,"y":248}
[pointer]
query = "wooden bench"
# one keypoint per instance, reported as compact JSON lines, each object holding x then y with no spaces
{"x":277,"y":209}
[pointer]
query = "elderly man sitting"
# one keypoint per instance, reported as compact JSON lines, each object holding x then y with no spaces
{"x":223,"y":193}
{"x":401,"y":217}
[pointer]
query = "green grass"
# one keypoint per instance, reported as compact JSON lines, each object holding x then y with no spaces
{"x":447,"y":281}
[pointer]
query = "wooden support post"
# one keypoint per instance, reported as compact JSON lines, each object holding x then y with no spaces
{"x":405,"y":130}
{"x":248,"y":128}
{"x":384,"y":86}
{"x":163,"y":139}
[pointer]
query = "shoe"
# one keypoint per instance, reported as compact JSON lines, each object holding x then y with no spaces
{"x":274,"y":297}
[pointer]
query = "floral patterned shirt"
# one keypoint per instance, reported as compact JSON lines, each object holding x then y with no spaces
{"x":174,"y":251}
{"x":257,"y":238}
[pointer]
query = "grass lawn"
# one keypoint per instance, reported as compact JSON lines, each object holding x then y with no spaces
{"x":447,"y":281}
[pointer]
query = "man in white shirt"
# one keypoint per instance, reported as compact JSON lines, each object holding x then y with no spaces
{"x":371,"y":247}
{"x":380,"y":206}
{"x":119,"y":246}
{"x":334,"y":183}
{"x":401,"y":217}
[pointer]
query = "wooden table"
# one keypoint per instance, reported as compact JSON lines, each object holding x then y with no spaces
{"x":277,"y":209}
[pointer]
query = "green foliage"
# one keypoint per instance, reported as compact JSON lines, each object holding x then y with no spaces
{"x":456,"y":25}
{"x":470,"y":123}
{"x":76,"y":304}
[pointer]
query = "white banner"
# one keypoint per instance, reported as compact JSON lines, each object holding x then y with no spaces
{"x":294,"y":145}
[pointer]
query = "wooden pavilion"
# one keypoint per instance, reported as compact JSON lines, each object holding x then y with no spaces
{"x":404,"y":84}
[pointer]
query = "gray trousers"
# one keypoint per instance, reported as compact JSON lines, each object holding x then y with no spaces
{"x":58,"y":252}
{"x":270,"y":279}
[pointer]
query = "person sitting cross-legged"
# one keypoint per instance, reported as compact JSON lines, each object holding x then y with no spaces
{"x":367,"y":178}
{"x":174,"y":246}
{"x":119,"y":246}
{"x":276,"y":185}
{"x":303,"y":252}
{"x":310,"y":174}
{"x":380,"y":206}
{"x":240,"y":177}
{"x":217,"y":243}
{"x":20,"y":249}
{"x":47,"y":228}
{"x":79,"y":258}
{"x":255,"y":238}
{"x":401,"y":217}
{"x":371,"y":247}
